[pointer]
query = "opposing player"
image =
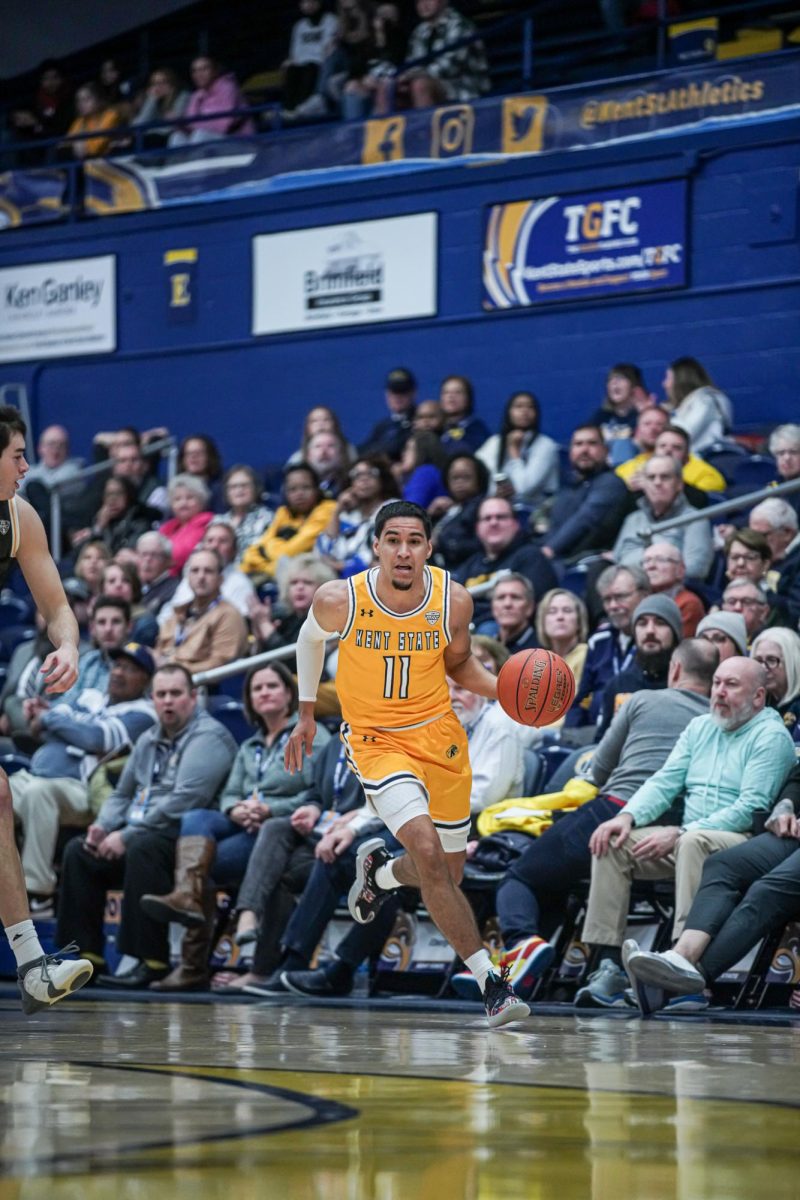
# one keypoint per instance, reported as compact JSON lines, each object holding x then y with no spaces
{"x":43,"y":978}
{"x":403,"y":626}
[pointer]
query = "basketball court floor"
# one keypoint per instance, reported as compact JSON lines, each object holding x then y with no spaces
{"x":119,"y":1100}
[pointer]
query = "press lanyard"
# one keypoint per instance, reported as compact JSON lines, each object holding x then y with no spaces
{"x":142,"y":801}
{"x":260,"y":757}
{"x":340,"y":773}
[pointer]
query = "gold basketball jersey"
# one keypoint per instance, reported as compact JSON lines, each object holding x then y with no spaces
{"x":390,"y":673}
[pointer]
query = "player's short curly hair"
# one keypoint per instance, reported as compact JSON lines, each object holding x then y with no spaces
{"x":402,"y":508}
{"x":10,"y":422}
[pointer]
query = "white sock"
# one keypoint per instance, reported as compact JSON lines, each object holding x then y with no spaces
{"x":384,"y":877}
{"x":481,"y":965}
{"x":24,"y":942}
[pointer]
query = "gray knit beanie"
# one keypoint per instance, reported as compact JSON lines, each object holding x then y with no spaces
{"x":731,"y":624}
{"x":659,"y":605}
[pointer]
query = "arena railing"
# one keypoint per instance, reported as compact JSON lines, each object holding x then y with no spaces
{"x":165,"y":448}
{"x":240,"y":665}
{"x":735,"y":504}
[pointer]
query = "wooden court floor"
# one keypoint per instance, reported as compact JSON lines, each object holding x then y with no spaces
{"x":303,"y":1101}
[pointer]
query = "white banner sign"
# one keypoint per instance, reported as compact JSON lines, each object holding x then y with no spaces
{"x":355,"y":274}
{"x":57,"y":309}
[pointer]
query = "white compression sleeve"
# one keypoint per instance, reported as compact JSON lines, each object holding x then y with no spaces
{"x":310,"y":656}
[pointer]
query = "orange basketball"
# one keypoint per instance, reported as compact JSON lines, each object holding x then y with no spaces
{"x":535,"y":687}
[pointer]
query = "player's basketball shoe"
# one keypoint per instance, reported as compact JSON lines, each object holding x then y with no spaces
{"x":501,"y":1001}
{"x":365,"y":897}
{"x":46,"y":980}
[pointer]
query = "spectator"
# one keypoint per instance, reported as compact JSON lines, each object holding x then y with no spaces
{"x":208,"y":632}
{"x":54,"y":791}
{"x":92,"y":560}
{"x":385,"y":55}
{"x":346,"y":544}
{"x":120,"y":519}
{"x":178,"y":765}
{"x":95,"y":115}
{"x":50,"y":113}
{"x":617,"y":416}
{"x":217,"y":844}
{"x":699,"y":477}
{"x":248,"y":516}
{"x":454,"y":537}
{"x":729,"y":765}
{"x":421,"y":468}
{"x":778,"y":651}
{"x":188,"y":500}
{"x":328,"y":455}
{"x":448,"y":75}
{"x":663,"y":500}
{"x":198,"y":456}
{"x":532,"y":896}
{"x":130,"y":463}
{"x":153,"y":560}
{"x":165,"y":100}
{"x":747,"y":556}
{"x":320,"y":419}
{"x":117,"y":88}
{"x":611,"y":648}
{"x":696,"y":403}
{"x":429,"y":418}
{"x":656,"y":632}
{"x":391,"y":434}
{"x":295,"y":527}
{"x":587,"y":513}
{"x":313,"y":39}
{"x":664,"y":567}
{"x":280,"y":864}
{"x":214,"y":93}
{"x":55,"y":466}
{"x":462,"y":429}
{"x":750,"y":601}
{"x":121,"y":581}
{"x":629,"y":455}
{"x":727,"y":631}
{"x":513,"y":605}
{"x":562,"y":625}
{"x":504,"y":547}
{"x":745,"y":893}
{"x":236,"y":587}
{"x":522,"y":462}
{"x":109,"y":627}
{"x":784,"y":446}
{"x":777,"y":521}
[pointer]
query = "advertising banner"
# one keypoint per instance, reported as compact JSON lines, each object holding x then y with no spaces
{"x":57,"y":309}
{"x":319,"y":278}
{"x":584,"y":246}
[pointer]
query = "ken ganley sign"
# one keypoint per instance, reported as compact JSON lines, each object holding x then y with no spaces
{"x":355,"y":274}
{"x":55,"y":309}
{"x":584,"y":246}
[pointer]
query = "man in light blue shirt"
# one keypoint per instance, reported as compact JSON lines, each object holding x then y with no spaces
{"x":727,"y":765}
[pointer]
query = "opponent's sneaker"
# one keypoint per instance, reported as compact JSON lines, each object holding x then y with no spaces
{"x":46,"y":980}
{"x":365,"y":897}
{"x":501,"y":1001}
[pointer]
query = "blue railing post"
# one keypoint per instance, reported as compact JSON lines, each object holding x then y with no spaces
{"x":661,"y":52}
{"x":527,"y":51}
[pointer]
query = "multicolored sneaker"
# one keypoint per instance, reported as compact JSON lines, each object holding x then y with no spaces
{"x":501,"y":1002}
{"x":526,"y":962}
{"x":605,"y":988}
{"x":365,"y":897}
{"x":46,"y":980}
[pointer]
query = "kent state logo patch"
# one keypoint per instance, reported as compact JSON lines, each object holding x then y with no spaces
{"x":452,"y":751}
{"x":4,"y":527}
{"x":433,"y":616}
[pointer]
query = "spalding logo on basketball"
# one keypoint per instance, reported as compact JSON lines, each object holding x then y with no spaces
{"x":535,"y":687}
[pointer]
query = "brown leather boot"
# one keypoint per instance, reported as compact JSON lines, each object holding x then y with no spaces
{"x":192,"y":972}
{"x":184,"y":904}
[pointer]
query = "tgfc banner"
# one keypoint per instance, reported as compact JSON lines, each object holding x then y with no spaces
{"x":581,"y":246}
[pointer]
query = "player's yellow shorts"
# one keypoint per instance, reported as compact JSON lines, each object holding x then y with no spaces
{"x":406,"y":772}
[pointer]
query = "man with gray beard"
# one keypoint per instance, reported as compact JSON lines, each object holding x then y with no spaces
{"x":728,"y":765}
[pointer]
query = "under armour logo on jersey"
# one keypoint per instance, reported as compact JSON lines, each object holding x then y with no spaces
{"x":368,"y":612}
{"x":366,"y":737}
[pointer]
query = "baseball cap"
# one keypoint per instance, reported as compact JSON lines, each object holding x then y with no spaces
{"x":401,"y":380}
{"x":138,"y":654}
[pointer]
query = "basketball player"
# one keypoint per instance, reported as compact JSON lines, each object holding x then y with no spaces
{"x":43,"y":978}
{"x":402,"y":627}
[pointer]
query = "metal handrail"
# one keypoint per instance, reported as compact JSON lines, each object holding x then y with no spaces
{"x":268,"y":656}
{"x":165,"y":447}
{"x":724,"y":506}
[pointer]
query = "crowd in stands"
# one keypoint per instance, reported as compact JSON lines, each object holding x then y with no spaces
{"x":683,"y":640}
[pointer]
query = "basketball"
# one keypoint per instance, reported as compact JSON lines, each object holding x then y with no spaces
{"x":535,"y":687}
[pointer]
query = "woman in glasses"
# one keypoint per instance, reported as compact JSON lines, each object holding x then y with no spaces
{"x":346,"y":543}
{"x":778,"y":651}
{"x":747,"y":555}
